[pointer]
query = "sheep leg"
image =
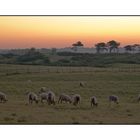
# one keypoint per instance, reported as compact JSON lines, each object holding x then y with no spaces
{"x":60,"y":100}
{"x":36,"y":101}
{"x":46,"y":101}
{"x":78,"y":102}
{"x":31,"y":101}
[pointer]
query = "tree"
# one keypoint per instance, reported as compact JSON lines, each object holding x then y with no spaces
{"x":100,"y":47}
{"x":77,"y":44}
{"x":138,"y":49}
{"x":136,"y":46}
{"x":131,"y":48}
{"x":32,"y":51}
{"x":128,"y":48}
{"x":113,"y":45}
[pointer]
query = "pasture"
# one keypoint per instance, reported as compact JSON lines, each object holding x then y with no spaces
{"x":120,"y":80}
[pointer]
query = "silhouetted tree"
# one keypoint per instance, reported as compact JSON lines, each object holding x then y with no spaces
{"x":128,"y":48}
{"x":32,"y":51}
{"x":113,"y":45}
{"x":131,"y":48}
{"x":100,"y":47}
{"x":136,"y":46}
{"x":77,"y":44}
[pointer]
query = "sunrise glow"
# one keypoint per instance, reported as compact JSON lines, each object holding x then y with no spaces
{"x":62,"y":31}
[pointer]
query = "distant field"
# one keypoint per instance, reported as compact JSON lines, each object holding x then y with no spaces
{"x":122,"y":80}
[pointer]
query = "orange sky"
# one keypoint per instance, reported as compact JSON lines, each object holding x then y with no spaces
{"x":62,"y":31}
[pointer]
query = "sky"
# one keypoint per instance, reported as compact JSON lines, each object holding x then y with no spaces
{"x":63,"y":31}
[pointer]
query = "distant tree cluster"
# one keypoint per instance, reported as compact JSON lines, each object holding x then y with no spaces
{"x":33,"y":56}
{"x":111,"y":46}
{"x":76,"y":45}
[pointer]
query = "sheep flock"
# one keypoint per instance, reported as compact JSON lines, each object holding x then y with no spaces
{"x":50,"y":98}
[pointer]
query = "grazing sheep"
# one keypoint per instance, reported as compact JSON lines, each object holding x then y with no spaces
{"x":93,"y":101}
{"x":51,"y":98}
{"x":43,"y":96}
{"x":114,"y":98}
{"x":32,"y":97}
{"x":43,"y":89}
{"x":3,"y":97}
{"x":76,"y":99}
{"x":65,"y":98}
{"x":82,"y":84}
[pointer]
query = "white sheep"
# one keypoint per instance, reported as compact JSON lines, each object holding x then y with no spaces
{"x":65,"y":98}
{"x":93,"y":101}
{"x":3,"y":97}
{"x":43,"y":96}
{"x":114,"y":98}
{"x":76,"y":99}
{"x":51,"y":98}
{"x":32,"y":97}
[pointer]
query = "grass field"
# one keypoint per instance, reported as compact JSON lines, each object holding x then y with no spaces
{"x":121,"y":80}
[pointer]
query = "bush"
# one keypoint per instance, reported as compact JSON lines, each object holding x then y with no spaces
{"x":34,"y":57}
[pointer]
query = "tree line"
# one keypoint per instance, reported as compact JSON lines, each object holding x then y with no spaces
{"x":111,"y":46}
{"x":32,"y":56}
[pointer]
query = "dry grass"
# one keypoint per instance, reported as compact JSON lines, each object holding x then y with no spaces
{"x":100,"y":84}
